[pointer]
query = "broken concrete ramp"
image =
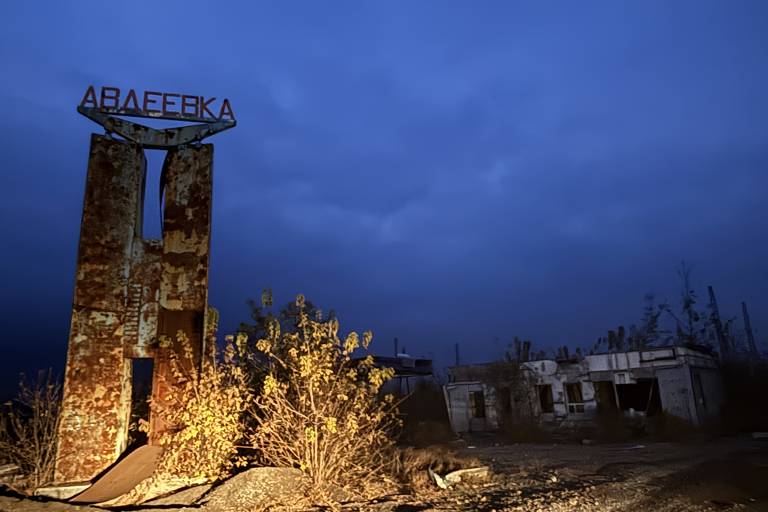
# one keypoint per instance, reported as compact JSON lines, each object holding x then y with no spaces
{"x":123,"y":476}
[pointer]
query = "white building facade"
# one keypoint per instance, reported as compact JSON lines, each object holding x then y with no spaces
{"x":678,"y":381}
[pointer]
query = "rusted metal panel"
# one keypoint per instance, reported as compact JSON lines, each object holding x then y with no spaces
{"x":153,"y":138}
{"x":123,"y":477}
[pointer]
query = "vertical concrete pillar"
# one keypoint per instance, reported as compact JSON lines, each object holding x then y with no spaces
{"x":185,"y":259}
{"x":187,"y":228}
{"x":96,"y":404}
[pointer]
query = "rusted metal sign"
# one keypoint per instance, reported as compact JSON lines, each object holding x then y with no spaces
{"x":111,"y":101}
{"x":158,"y":105}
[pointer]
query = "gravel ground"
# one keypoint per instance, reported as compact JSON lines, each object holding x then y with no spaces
{"x":724,"y":474}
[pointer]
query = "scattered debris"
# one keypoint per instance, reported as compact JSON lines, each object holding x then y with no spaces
{"x":11,"y":475}
{"x":479,"y":473}
{"x":455,"y":477}
{"x":417,"y":466}
{"x":437,"y":479}
{"x":664,"y":477}
{"x":9,"y":469}
{"x":61,"y":492}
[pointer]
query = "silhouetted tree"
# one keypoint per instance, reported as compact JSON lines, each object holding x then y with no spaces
{"x":649,"y":332}
{"x":691,"y":327}
{"x":518,"y":351}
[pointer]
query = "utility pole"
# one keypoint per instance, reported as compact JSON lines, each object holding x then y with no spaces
{"x":722,"y":341}
{"x":748,"y":328}
{"x":456,"y":349}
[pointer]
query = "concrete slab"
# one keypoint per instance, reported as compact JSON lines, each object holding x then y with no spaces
{"x":62,"y":492}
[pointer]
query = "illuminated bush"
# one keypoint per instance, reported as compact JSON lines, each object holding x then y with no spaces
{"x":321,"y":411}
{"x":202,"y":413}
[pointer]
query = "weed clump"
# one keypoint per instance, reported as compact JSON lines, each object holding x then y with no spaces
{"x":29,"y":429}
{"x":320,"y":410}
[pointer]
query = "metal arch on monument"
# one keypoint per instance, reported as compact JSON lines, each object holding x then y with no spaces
{"x":152,"y":138}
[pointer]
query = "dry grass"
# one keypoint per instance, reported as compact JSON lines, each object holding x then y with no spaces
{"x":29,"y":428}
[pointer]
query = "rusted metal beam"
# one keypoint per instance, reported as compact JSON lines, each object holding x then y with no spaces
{"x":152,"y":138}
{"x":169,"y":116}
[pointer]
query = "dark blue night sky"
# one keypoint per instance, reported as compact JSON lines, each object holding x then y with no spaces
{"x":438,"y":171}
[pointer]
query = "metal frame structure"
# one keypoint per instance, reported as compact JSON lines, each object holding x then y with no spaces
{"x":153,"y":138}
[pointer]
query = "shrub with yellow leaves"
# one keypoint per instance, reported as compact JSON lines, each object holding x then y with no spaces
{"x":201,"y":417}
{"x":203,"y":412}
{"x":320,"y":410}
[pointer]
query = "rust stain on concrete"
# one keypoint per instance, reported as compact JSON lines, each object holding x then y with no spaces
{"x":128,"y":292}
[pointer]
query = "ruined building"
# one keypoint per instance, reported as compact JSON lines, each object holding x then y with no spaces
{"x":130,"y":290}
{"x":679,"y":381}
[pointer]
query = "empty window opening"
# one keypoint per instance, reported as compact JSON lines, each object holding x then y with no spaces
{"x":573,"y":391}
{"x":575,"y":398}
{"x":642,"y":397}
{"x":477,"y":404}
{"x":141,"y":391}
{"x":152,"y":223}
{"x":605,"y":396}
{"x":698,"y":389}
{"x":545,"y":398}
{"x":504,"y":401}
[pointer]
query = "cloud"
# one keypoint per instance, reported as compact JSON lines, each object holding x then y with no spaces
{"x":438,"y":174}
